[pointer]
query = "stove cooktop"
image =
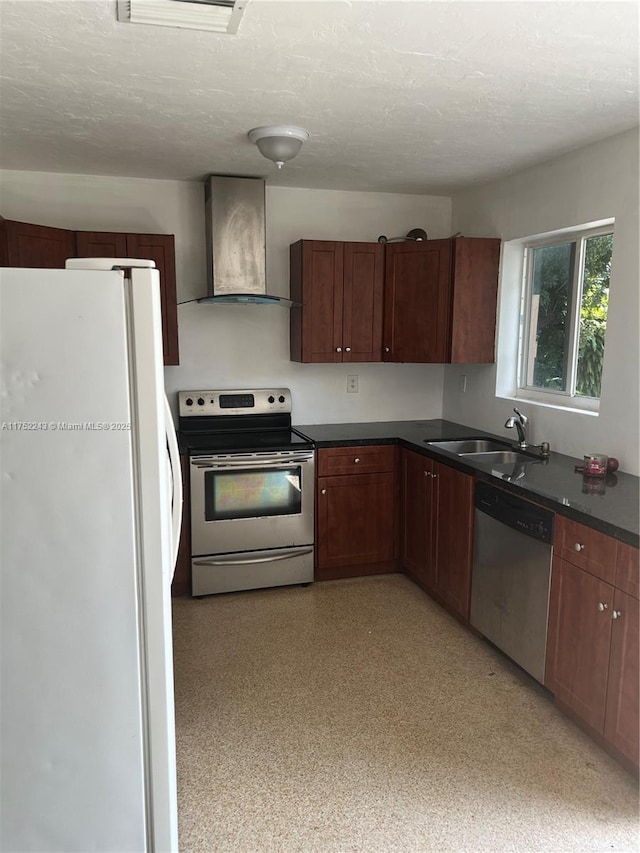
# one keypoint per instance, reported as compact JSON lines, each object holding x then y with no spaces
{"x":239,"y":421}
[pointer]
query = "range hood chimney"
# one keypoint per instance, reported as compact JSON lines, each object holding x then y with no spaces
{"x":236,"y":242}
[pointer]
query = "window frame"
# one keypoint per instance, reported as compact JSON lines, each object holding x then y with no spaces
{"x":548,"y":396}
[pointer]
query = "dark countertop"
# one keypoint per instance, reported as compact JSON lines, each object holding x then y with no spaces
{"x":611,"y":504}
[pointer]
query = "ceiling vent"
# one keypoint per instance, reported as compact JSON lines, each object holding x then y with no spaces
{"x":218,"y":16}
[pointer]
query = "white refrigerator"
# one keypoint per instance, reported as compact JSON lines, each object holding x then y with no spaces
{"x":90,"y":519}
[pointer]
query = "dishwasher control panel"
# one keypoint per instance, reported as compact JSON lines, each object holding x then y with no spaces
{"x":532,"y":520}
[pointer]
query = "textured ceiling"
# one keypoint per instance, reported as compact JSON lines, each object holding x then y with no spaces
{"x":398,"y":96}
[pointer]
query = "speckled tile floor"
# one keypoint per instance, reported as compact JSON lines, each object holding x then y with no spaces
{"x":356,"y":715}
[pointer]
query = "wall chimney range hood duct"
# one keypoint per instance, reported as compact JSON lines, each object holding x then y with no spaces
{"x":236,"y":242}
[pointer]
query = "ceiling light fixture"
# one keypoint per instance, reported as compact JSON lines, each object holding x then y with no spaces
{"x":279,"y":142}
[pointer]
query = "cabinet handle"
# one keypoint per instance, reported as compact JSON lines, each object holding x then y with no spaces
{"x":387,"y":349}
{"x":347,"y":349}
{"x":357,"y":459}
{"x":324,"y":492}
{"x":338,"y":349}
{"x":434,"y":476}
{"x":616,"y":614}
{"x":578,"y":547}
{"x":602,"y":606}
{"x":427,"y":473}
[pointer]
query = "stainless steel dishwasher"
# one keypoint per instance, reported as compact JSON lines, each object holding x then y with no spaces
{"x":511,"y":575}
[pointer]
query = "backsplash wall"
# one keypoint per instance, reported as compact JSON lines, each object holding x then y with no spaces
{"x":241,"y":346}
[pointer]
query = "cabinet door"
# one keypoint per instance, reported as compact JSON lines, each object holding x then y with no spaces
{"x":36,"y":246}
{"x":454,"y":537}
{"x":362,"y":302}
{"x":101,"y":244}
{"x":161,"y":249}
{"x":316,"y":273}
{"x":417,"y":292}
{"x":417,"y":515}
{"x":622,"y":721}
{"x":578,"y":641}
{"x":355,"y":520}
{"x":474,"y":299}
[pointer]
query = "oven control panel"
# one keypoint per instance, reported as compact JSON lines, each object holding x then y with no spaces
{"x":255,"y":401}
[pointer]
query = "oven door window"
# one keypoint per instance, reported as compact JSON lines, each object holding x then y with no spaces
{"x":252,"y":493}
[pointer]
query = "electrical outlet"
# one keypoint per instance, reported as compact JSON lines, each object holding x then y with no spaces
{"x":462,"y":383}
{"x":352,"y":383}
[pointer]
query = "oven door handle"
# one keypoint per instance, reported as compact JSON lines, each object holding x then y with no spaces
{"x":234,"y":561}
{"x":199,"y":462}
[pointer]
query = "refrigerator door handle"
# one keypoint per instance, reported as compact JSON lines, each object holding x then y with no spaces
{"x":176,"y":485}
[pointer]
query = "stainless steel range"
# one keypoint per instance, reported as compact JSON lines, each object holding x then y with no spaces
{"x":252,"y":490}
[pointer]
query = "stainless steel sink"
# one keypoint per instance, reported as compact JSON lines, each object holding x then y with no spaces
{"x":471,"y":445}
{"x":499,"y":457}
{"x":484,"y":450}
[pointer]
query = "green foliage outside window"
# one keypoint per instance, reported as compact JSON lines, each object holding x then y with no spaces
{"x":552,"y":294}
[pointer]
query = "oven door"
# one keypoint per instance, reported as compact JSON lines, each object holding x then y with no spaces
{"x":251,"y":501}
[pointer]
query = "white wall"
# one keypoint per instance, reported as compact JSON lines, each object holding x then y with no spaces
{"x":593,"y":183}
{"x":244,"y":346}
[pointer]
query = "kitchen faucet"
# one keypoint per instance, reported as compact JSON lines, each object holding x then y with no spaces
{"x":521,"y":423}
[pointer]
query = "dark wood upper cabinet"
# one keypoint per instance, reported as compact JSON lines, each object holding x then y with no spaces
{"x":26,"y":245}
{"x":421,"y":302}
{"x":154,"y":247}
{"x":440,"y":300}
{"x":101,"y":244}
{"x":161,"y":249}
{"x":340,"y":290}
{"x":474,"y":299}
{"x":416,"y":301}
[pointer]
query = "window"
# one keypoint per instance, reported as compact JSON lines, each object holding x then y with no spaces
{"x":564,"y":317}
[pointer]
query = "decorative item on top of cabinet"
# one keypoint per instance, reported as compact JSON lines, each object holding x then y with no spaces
{"x":154,"y":247}
{"x":339,"y":288}
{"x":437,"y":540}
{"x":592,"y":647}
{"x":440,"y":300}
{"x":356,"y":512}
{"x":35,"y":246}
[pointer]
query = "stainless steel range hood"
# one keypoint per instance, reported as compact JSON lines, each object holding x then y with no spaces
{"x":236,"y":242}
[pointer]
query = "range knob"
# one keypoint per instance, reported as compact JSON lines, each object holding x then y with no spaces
{"x":200,"y":401}
{"x":189,"y":401}
{"x":271,"y":399}
{"x":281,"y":399}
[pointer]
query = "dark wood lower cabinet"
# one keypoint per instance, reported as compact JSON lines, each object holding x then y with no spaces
{"x":622,"y":717}
{"x":454,"y":537}
{"x":578,"y":642}
{"x":355,"y":518}
{"x":417,"y":515}
{"x":437,"y":529}
{"x":593,"y":656}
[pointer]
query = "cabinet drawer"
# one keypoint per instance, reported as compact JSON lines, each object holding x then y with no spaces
{"x":586,"y":548}
{"x":628,"y":569}
{"x":368,"y":459}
